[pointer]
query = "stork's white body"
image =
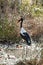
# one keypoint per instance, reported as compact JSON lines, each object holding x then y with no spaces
{"x":22,"y":31}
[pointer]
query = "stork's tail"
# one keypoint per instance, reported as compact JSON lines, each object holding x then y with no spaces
{"x":29,"y":42}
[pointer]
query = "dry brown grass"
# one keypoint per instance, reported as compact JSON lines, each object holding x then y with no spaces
{"x":33,"y":62}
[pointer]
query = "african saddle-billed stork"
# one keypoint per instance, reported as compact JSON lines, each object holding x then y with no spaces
{"x":24,"y":33}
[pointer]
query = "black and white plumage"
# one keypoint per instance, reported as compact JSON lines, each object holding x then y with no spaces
{"x":24,"y":33}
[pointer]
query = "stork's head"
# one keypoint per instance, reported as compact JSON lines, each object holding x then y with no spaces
{"x":21,"y":19}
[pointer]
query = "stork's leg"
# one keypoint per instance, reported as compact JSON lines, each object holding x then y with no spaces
{"x":24,"y":53}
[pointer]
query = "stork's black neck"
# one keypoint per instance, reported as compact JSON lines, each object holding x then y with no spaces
{"x":21,"y":22}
